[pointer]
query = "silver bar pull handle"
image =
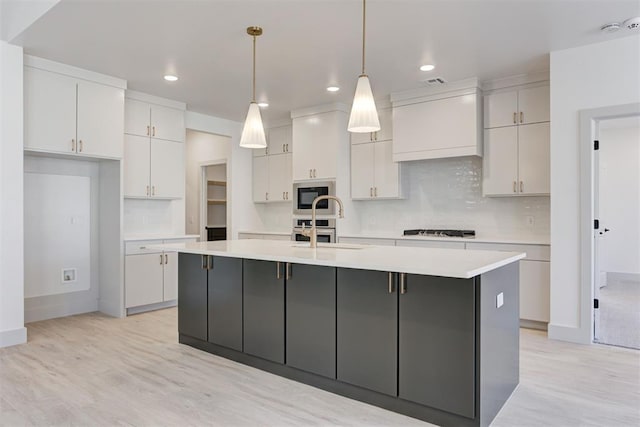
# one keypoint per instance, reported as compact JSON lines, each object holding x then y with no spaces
{"x":371,"y":191}
{"x":403,"y":283}
{"x":514,"y":117}
{"x":288,"y":270}
{"x":80,"y":145}
{"x":204,"y":262}
{"x":392,"y":287}
{"x":521,"y":117}
{"x":209,"y":262}
{"x":375,"y":191}
{"x":521,"y":187}
{"x":514,"y":187}
{"x":148,"y":130}
{"x":73,"y":145}
{"x":166,"y":259}
{"x":278,"y":276}
{"x":161,"y":258}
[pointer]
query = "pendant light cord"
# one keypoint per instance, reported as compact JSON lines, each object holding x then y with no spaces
{"x":364,"y":27}
{"x":254,"y":69}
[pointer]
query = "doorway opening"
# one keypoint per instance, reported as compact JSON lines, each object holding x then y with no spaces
{"x":214,"y":201}
{"x":617,"y":239}
{"x":610,"y":225}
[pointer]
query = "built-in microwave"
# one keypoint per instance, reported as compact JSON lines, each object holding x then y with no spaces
{"x":304,"y":193}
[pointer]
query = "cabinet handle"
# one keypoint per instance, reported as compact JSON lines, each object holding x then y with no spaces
{"x":153,"y":190}
{"x":521,"y":117}
{"x":514,"y":186}
{"x":154,"y":131}
{"x":287,"y":148}
{"x":287,"y":267}
{"x":205,"y":262}
{"x":278,"y":276}
{"x":314,"y":173}
{"x":521,"y":187}
{"x":403,"y":283}
{"x":283,"y":149}
{"x":283,"y":195}
{"x":391,"y":284}
{"x":375,"y":135}
{"x":375,"y":191}
{"x":148,"y":130}
{"x":80,"y":145}
{"x":73,"y":145}
{"x":514,"y":117}
{"x":166,"y":259}
{"x":266,"y":150}
{"x":370,"y":191}
{"x":287,"y":195}
{"x":310,"y":175}
{"x":266,"y":196}
{"x":161,"y":259}
{"x":147,"y":190}
{"x":209,"y":262}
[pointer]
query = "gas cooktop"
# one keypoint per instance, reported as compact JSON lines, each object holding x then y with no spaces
{"x":469,"y":234}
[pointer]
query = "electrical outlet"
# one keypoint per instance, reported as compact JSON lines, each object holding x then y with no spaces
{"x":530,"y":221}
{"x":500,"y":300}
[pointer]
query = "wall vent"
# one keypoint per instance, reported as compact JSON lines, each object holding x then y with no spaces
{"x":434,"y":81}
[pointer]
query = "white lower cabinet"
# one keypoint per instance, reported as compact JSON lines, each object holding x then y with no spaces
{"x":151,"y":277}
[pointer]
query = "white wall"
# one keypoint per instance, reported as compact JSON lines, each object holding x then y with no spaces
{"x":84,"y":297}
{"x":12,"y":330}
{"x":201,"y":148}
{"x":619,"y":199}
{"x":592,"y":76}
{"x":241,"y":214}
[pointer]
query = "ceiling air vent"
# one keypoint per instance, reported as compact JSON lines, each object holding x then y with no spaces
{"x":434,"y":81}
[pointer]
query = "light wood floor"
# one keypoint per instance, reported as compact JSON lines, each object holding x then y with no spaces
{"x":95,"y":370}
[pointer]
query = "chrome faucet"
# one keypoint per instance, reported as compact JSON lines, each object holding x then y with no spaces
{"x":312,"y":233}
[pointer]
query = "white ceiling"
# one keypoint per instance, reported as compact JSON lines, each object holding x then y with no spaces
{"x":310,"y":44}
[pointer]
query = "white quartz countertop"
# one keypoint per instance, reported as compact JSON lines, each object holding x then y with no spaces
{"x":477,"y":239}
{"x":457,"y":263}
{"x":156,"y":236}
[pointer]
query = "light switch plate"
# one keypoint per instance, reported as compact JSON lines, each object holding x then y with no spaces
{"x":500,"y":300}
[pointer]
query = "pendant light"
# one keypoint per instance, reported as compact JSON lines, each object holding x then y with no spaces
{"x":253,"y":130}
{"x":364,"y":116}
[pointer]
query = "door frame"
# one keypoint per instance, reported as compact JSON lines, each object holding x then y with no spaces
{"x":589,"y":131}
{"x":203,"y":195}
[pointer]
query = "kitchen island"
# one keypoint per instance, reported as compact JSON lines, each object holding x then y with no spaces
{"x":430,"y":333}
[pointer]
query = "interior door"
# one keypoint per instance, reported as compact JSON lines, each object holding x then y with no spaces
{"x":597,"y":283}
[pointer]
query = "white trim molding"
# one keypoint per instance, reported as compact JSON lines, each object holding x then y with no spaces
{"x":13,"y":337}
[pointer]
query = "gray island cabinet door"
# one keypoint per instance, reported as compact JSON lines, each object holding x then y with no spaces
{"x":437,"y":343}
{"x":367,"y":330}
{"x":311,"y":319}
{"x":192,"y":296}
{"x":225,"y":302}
{"x":264,"y":309}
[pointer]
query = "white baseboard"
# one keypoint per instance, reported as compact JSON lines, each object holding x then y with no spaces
{"x":151,"y":307}
{"x":13,"y":337}
{"x":53,"y":311}
{"x":568,"y":333}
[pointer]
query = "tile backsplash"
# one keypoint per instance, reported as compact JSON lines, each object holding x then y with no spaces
{"x":447,"y":193}
{"x":147,"y":216}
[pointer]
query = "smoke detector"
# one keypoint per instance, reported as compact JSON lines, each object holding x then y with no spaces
{"x":610,"y":28}
{"x":632,"y":23}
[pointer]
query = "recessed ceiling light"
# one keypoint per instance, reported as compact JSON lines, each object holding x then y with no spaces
{"x":263,"y":104}
{"x":170,"y":78}
{"x":427,"y":67}
{"x":610,"y":28}
{"x":333,"y":89}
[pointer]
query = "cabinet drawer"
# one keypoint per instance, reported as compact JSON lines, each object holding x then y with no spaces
{"x":430,"y":244}
{"x":141,"y":247}
{"x":534,"y":252}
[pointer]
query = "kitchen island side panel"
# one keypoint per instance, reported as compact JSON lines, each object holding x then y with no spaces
{"x":499,"y":339}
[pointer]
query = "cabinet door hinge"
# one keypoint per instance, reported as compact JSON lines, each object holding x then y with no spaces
{"x":596,"y":224}
{"x":596,"y":145}
{"x":596,"y":303}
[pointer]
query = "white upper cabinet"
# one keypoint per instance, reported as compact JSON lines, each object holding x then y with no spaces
{"x":69,"y":115}
{"x":516,"y":146}
{"x":100,"y":120}
{"x":157,"y":121}
{"x":362,"y":170}
{"x":516,"y":107}
{"x":167,"y":169}
{"x":374,"y":174}
{"x":384,"y":134}
{"x":279,"y":141}
{"x":137,"y":166}
{"x":260,"y":179}
{"x":317,"y":137}
{"x":272,"y":178}
{"x":447,"y":125}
